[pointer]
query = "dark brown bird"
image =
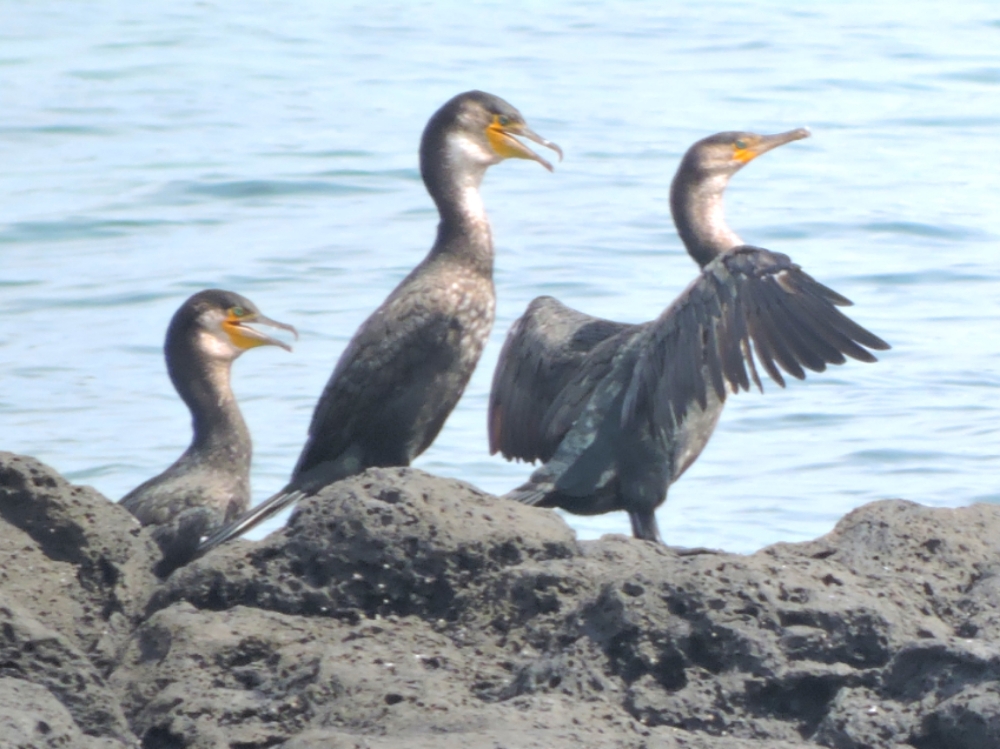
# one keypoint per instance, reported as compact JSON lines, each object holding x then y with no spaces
{"x":618,"y":412}
{"x":407,"y":365}
{"x":209,"y":484}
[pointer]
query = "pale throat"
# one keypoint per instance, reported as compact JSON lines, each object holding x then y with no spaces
{"x":704,"y":219}
{"x":220,"y":354}
{"x":468,"y":161}
{"x":713,"y":229}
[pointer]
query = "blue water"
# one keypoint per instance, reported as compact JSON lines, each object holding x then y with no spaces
{"x":150,"y":150}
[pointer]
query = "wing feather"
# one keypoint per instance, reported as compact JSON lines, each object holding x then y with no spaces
{"x":812,"y":340}
{"x":769,"y":324}
{"x":841,"y":322}
{"x":748,"y":304}
{"x":831,"y":322}
{"x":543,"y":355}
{"x":763,"y":345}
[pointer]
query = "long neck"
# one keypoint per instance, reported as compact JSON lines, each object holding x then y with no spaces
{"x":453,"y":182}
{"x":696,"y":205}
{"x":203,"y":384}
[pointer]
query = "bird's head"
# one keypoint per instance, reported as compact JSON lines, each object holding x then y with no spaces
{"x":222,"y":323}
{"x":476,"y":129}
{"x":724,"y":154}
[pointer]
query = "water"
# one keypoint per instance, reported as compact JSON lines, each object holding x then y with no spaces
{"x":151,"y":150}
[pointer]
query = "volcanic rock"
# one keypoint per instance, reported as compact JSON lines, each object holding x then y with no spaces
{"x":400,"y":609}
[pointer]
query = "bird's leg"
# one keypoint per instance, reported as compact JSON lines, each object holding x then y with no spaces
{"x":644,"y":525}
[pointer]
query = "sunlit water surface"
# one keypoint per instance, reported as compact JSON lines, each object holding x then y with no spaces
{"x":151,"y":150}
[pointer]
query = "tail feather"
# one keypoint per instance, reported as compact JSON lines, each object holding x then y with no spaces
{"x":251,"y":518}
{"x":528,"y":494}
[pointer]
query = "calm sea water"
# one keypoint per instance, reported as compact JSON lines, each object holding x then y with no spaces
{"x":151,"y":150}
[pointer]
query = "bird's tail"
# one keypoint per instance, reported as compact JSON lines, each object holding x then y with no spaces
{"x":252,"y":517}
{"x":528,"y":494}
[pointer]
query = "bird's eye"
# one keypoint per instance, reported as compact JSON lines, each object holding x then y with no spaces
{"x":503,"y":120}
{"x":237,"y":312}
{"x":741,"y":144}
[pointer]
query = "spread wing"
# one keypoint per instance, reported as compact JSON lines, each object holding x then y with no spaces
{"x":704,"y":338}
{"x":541,"y":362}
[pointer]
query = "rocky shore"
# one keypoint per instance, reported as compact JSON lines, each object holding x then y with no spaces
{"x":403,"y":610}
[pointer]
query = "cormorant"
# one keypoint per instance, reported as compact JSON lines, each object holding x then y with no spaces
{"x":406,"y":367}
{"x":209,"y":484}
{"x":617,"y":412}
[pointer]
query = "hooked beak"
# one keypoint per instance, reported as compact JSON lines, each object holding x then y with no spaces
{"x":245,"y":336}
{"x":767,"y":142}
{"x":504,"y":142}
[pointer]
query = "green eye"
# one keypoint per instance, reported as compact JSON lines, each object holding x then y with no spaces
{"x":503,"y":120}
{"x":741,"y":144}
{"x":237,"y":312}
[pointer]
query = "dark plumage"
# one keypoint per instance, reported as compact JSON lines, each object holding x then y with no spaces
{"x":618,"y":412}
{"x":210,"y":483}
{"x":406,"y":367}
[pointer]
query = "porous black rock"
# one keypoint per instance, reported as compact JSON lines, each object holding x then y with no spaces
{"x":390,"y":541}
{"x":398,"y":608}
{"x":80,"y":564}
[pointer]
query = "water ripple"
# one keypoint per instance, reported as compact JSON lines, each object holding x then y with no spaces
{"x":58,"y":130}
{"x":933,"y":276}
{"x":946,"y":121}
{"x":69,"y":229}
{"x":930,"y":231}
{"x":263,"y":188}
{"x":982,"y":75}
{"x":107,"y":301}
